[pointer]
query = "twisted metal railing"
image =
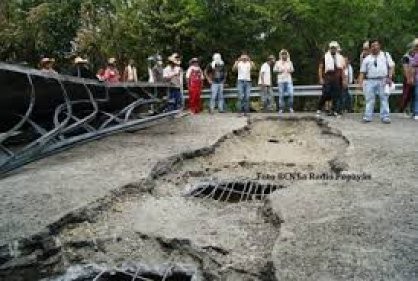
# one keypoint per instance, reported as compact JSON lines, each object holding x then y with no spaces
{"x":41,"y":114}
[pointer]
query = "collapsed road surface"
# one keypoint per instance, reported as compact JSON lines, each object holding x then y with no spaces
{"x":217,"y":198}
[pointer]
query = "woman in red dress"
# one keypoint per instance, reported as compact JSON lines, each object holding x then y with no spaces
{"x":194,"y":76}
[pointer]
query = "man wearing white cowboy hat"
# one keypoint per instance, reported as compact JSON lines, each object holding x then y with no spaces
{"x":111,"y":74}
{"x":81,"y":69}
{"x":47,"y":65}
{"x":174,"y":74}
{"x":331,"y":76}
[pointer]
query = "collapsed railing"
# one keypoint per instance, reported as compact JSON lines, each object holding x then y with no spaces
{"x":44,"y":113}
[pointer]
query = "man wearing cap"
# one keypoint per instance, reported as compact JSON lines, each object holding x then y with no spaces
{"x":265,"y":81}
{"x":111,"y":73}
{"x":173,"y":74}
{"x":194,"y":76}
{"x":244,"y":66}
{"x":376,"y":71}
{"x":81,"y":69}
{"x":331,"y":76}
{"x":47,"y":66}
{"x":215,"y":73}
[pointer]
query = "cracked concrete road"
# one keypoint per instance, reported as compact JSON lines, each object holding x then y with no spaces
{"x":44,"y":191}
{"x":332,"y":230}
{"x":338,"y":230}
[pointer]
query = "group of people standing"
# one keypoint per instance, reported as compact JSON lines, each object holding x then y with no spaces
{"x":335,"y":73}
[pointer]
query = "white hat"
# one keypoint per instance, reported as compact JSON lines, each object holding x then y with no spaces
{"x":80,"y":60}
{"x":112,"y":61}
{"x":334,"y":44}
{"x":415,"y":42}
{"x":217,"y":57}
{"x":366,"y":45}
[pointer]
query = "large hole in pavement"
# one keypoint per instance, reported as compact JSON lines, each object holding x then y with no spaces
{"x":234,"y":191}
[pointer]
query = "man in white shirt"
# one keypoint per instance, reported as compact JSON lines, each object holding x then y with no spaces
{"x":243,"y":66}
{"x":377,"y":70}
{"x":284,"y":69}
{"x":265,"y":81}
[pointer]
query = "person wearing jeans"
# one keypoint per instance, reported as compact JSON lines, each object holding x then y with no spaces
{"x":284,"y":69}
{"x":244,"y":91}
{"x":215,"y":73}
{"x":285,"y":92}
{"x":217,"y":93}
{"x":244,"y":66}
{"x":373,"y":87}
{"x":377,"y":69}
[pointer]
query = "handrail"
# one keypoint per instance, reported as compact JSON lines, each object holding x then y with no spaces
{"x":299,"y":91}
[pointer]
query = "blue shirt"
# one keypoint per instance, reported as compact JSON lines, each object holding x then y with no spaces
{"x":377,"y":66}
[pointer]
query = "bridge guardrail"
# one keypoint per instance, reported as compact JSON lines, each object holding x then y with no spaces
{"x":299,"y":91}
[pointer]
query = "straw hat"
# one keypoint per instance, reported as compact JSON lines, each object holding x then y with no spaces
{"x":193,"y":60}
{"x":47,"y":60}
{"x":174,"y":58}
{"x":80,"y":60}
{"x":415,"y":42}
{"x":112,"y":61}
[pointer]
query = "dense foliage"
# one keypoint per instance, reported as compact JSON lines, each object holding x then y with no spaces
{"x":98,"y":29}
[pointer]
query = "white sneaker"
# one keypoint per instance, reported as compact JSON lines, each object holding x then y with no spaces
{"x":280,"y":111}
{"x":318,"y":113}
{"x":416,"y":117}
{"x":291,"y":110}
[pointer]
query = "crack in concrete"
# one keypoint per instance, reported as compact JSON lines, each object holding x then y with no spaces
{"x":46,"y":247}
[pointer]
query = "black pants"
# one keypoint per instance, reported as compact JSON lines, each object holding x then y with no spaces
{"x":331,"y":91}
